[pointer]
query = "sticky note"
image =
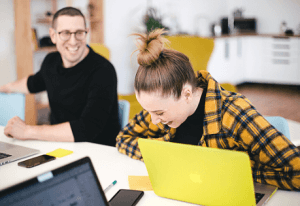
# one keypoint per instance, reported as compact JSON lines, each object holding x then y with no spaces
{"x":140,"y":183}
{"x":60,"y":153}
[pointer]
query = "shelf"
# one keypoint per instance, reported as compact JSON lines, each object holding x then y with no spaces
{"x":95,"y":19}
{"x":45,"y":21}
{"x":42,"y":106}
{"x":46,"y":49}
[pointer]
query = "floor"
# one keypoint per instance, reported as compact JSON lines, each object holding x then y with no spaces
{"x":274,"y":100}
{"x":269,"y":99}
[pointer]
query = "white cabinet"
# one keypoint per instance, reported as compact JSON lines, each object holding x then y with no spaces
{"x":256,"y":59}
{"x":281,"y":60}
{"x":226,"y":63}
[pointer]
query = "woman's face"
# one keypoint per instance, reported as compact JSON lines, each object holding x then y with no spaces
{"x":167,"y":110}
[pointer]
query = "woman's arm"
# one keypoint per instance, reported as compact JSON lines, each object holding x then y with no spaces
{"x":275,"y":160}
{"x":141,"y":127}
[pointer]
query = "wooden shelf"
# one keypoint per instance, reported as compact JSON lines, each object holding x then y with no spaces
{"x":46,"y":49}
{"x":95,"y":19}
{"x":45,"y":21}
{"x":42,"y":106}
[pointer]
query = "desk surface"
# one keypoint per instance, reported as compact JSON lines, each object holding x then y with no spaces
{"x":110,"y":165}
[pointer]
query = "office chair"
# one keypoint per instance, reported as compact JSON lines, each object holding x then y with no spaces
{"x":123,"y":112}
{"x":280,"y":124}
{"x":11,"y":105}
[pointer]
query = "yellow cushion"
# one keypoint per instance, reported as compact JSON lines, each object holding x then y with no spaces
{"x":100,"y":49}
{"x":198,"y":49}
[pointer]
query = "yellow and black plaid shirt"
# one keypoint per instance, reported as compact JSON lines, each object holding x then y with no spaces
{"x":230,"y":122}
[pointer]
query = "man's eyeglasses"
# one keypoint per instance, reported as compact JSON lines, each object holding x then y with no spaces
{"x":66,"y":35}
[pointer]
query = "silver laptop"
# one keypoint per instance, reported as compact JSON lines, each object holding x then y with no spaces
{"x":73,"y":184}
{"x":11,"y":152}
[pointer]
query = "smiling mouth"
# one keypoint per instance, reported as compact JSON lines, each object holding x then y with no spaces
{"x":72,"y":49}
{"x":167,"y":123}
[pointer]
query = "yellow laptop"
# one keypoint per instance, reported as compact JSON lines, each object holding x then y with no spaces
{"x":201,"y":175}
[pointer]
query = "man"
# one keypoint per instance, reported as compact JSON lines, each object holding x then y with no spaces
{"x":81,"y":87}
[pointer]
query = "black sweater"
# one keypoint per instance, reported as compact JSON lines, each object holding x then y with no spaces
{"x":84,"y":95}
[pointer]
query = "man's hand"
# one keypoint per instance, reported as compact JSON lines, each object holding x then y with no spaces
{"x":19,"y":86}
{"x":5,"y":88}
{"x":16,"y":128}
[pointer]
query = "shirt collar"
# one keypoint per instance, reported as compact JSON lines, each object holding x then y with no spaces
{"x":213,"y":104}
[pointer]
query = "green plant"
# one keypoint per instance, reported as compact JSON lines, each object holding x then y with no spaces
{"x":152,"y":20}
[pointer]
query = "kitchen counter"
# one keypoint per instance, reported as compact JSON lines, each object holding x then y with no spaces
{"x":257,"y":58}
{"x":256,"y":34}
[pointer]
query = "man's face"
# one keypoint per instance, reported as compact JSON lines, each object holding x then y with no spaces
{"x":72,"y":51}
{"x":166,"y":110}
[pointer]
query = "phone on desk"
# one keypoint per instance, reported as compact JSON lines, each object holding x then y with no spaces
{"x":126,"y":198}
{"x":36,"y":161}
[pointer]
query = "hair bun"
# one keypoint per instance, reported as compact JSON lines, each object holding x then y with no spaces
{"x":150,"y":46}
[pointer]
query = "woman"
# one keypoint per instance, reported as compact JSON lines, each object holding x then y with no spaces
{"x":184,"y":108}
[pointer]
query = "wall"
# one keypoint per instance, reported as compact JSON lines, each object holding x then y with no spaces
{"x":125,"y":17}
{"x":7,"y":44}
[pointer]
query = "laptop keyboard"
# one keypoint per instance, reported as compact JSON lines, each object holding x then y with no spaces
{"x":258,"y":197}
{"x":3,"y":155}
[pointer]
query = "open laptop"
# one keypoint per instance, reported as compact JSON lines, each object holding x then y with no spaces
{"x":201,"y":175}
{"x":12,"y":152}
{"x":73,"y":184}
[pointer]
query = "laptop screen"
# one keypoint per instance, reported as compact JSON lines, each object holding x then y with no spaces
{"x":73,"y":184}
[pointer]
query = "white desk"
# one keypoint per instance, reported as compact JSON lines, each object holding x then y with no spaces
{"x":110,"y":165}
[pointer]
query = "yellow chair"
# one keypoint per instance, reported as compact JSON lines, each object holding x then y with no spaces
{"x":198,"y":49}
{"x":135,"y":106}
{"x":229,"y":87}
{"x":100,"y":49}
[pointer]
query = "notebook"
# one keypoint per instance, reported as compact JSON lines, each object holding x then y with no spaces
{"x":73,"y":184}
{"x":12,"y":152}
{"x":200,"y":175}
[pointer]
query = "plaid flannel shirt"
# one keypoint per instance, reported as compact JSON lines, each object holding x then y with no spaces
{"x":230,"y":122}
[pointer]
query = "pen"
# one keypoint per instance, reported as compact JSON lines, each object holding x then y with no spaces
{"x":109,"y":186}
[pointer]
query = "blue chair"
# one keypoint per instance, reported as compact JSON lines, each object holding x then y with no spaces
{"x":123,"y":112}
{"x":279,"y":123}
{"x":11,"y":105}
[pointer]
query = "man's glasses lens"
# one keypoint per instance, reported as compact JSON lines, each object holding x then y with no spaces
{"x":66,"y":35}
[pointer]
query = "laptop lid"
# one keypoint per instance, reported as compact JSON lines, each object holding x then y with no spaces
{"x":12,"y":152}
{"x":199,"y":175}
{"x":72,"y":184}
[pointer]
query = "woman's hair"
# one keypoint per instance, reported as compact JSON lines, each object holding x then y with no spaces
{"x":67,"y":11}
{"x":162,"y":70}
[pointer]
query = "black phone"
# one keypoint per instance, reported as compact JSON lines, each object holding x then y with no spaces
{"x":126,"y":197}
{"x":36,"y":161}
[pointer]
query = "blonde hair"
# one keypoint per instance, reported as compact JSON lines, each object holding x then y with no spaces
{"x":161,"y":69}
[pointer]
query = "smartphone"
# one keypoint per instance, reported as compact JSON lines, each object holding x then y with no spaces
{"x":126,"y":198}
{"x":36,"y":161}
